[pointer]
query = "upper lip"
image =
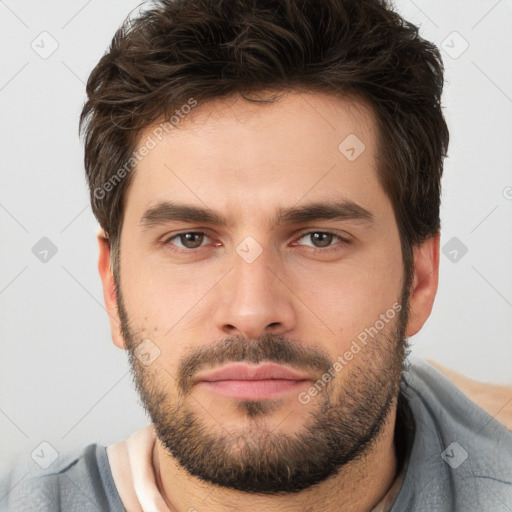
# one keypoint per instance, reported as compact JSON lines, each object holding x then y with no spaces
{"x":242,"y":371}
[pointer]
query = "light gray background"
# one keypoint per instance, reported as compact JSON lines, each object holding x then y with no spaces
{"x":61,"y":379}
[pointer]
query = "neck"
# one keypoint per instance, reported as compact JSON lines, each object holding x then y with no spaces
{"x":357,"y":487}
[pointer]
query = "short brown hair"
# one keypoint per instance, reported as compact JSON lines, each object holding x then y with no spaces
{"x":208,"y":49}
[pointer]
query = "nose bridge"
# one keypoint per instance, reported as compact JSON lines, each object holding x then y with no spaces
{"x":252,"y":278}
{"x":253,"y":300}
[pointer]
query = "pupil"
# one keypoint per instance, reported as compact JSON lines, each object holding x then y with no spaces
{"x":191,"y":240}
{"x":322,"y":239}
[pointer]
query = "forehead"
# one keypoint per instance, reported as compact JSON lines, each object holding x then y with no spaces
{"x":235,"y":155}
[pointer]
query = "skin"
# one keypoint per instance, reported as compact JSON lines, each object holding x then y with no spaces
{"x":266,"y":157}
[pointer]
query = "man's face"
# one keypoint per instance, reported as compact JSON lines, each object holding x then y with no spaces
{"x":277,"y":283}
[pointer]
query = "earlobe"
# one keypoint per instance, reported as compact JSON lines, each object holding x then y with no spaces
{"x":424,"y":283}
{"x":109,"y":290}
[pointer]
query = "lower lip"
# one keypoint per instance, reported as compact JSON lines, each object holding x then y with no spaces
{"x":253,"y":389}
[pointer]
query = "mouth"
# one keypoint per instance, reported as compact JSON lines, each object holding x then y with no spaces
{"x":251,"y":382}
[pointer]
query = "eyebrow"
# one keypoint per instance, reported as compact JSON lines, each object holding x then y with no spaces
{"x":168,"y":211}
{"x":328,"y":210}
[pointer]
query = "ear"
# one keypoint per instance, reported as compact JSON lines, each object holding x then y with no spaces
{"x":109,"y":290}
{"x":424,"y":284}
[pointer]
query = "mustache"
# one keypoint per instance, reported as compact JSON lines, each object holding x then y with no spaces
{"x":267,"y":348}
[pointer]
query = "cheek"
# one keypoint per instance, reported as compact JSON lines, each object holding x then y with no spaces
{"x":165,"y":297}
{"x":349,"y":296}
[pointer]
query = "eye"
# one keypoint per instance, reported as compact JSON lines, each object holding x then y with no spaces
{"x":320,"y":239}
{"x":189,"y":240}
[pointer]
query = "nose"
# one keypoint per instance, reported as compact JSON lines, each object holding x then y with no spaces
{"x":253,"y":299}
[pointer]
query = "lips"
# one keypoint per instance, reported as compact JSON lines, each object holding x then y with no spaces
{"x":242,"y":371}
{"x":250,"y":382}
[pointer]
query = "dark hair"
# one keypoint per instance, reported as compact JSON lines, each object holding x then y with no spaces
{"x":178,"y":50}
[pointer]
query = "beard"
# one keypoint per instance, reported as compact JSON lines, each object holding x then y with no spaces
{"x":341,"y":426}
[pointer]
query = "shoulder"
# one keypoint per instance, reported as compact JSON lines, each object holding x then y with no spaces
{"x":494,"y":399}
{"x":461,"y":455}
{"x":74,"y":482}
{"x":458,"y":406}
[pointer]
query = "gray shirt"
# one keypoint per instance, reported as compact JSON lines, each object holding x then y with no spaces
{"x":457,"y":458}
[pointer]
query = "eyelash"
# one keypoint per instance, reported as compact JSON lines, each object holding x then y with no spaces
{"x":334,"y":247}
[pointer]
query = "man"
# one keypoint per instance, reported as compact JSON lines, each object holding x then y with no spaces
{"x":267,"y":178}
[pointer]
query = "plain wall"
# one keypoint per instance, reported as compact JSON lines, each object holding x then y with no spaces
{"x":61,"y":378}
